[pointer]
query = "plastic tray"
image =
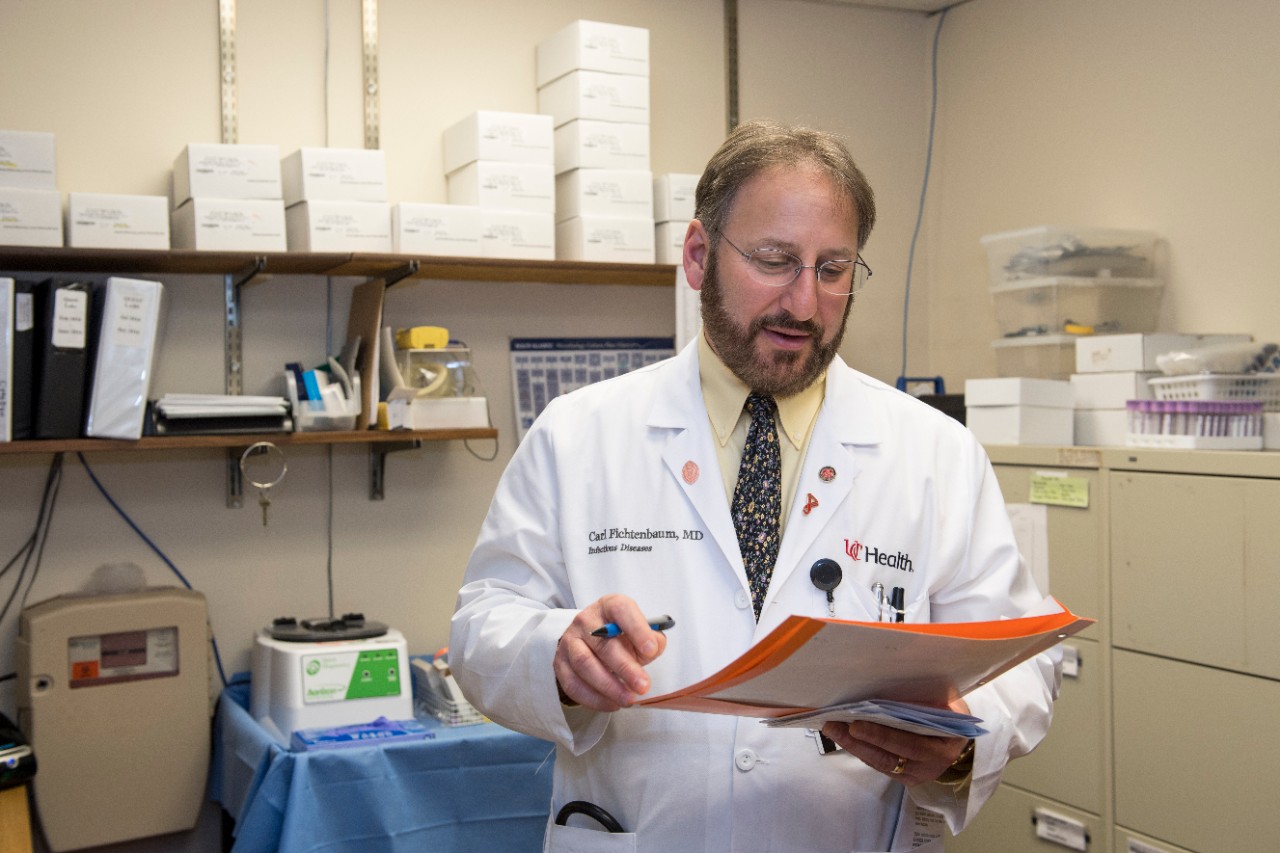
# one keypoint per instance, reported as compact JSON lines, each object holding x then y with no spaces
{"x":1220,"y":386}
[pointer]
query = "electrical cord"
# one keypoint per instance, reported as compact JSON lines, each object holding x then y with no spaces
{"x":155,"y":548}
{"x":924,"y":188}
{"x":33,"y":548}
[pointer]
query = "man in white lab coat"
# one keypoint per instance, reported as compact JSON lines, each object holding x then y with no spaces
{"x":618,"y":504}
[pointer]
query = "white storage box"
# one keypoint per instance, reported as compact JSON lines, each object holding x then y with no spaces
{"x":216,"y":170}
{"x":595,"y":95}
{"x":1048,"y":306}
{"x":1110,"y":390}
{"x":1021,"y":424}
{"x":1054,"y":251}
{"x":669,"y":242}
{"x":436,"y":229}
{"x":334,"y":174}
{"x":504,"y":186}
{"x":501,"y":136}
{"x":339,"y":226}
{"x":592,"y":144}
{"x":30,"y":217}
{"x":605,"y":192}
{"x":611,"y":239}
{"x":1101,"y":427}
{"x":1102,"y":353}
{"x":1018,"y":392}
{"x":27,"y":160}
{"x":1271,"y":430}
{"x":229,"y":225}
{"x":1036,"y":356}
{"x":674,"y":197}
{"x":595,"y":46}
{"x":102,"y":221}
{"x":518,"y":235}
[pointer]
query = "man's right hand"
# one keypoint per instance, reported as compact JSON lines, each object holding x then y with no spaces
{"x":607,"y":674}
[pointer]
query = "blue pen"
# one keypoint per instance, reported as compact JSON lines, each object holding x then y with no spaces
{"x":657,"y":623}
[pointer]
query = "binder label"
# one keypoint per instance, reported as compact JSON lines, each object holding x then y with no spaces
{"x":70,"y":319}
{"x":129,"y":325}
{"x":24,"y":313}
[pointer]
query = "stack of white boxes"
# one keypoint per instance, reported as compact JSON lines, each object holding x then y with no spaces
{"x":228,"y":198}
{"x":593,"y":81}
{"x":30,"y":204}
{"x":336,"y":200}
{"x":1113,"y":369}
{"x":673,"y":208}
{"x":500,"y":175}
{"x":1015,"y":410}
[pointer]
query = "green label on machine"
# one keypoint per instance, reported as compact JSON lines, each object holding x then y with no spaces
{"x":338,"y":676}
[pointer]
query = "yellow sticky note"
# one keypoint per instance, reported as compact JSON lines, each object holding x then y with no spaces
{"x":1057,"y":490}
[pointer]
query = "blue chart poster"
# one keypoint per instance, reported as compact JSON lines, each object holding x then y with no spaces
{"x":544,"y":368}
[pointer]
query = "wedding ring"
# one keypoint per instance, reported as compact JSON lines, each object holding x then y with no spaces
{"x":900,"y":766}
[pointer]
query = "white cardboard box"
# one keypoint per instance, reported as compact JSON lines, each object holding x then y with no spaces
{"x":1018,"y":391}
{"x":28,"y":160}
{"x":229,"y":225}
{"x":595,"y":95}
{"x":593,"y":45}
{"x":104,"y":221}
{"x":1103,"y":353}
{"x":610,"y":239}
{"x":673,"y":197}
{"x":1271,"y":430}
{"x":501,"y":136}
{"x":518,"y":235}
{"x":30,"y":217}
{"x":605,"y":192}
{"x":339,"y":226}
{"x":496,"y":185}
{"x":436,"y":229}
{"x":1111,"y":390}
{"x":334,"y":174}
{"x":669,"y":242}
{"x":1021,"y":424}
{"x":218,"y":170}
{"x":593,"y":144}
{"x":1101,"y":427}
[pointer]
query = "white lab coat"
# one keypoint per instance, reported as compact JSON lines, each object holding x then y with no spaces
{"x":588,"y":506}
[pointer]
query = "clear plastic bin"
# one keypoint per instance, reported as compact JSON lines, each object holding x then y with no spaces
{"x":442,"y":372}
{"x":1037,"y":357}
{"x":1086,"y":306}
{"x":1053,"y":251}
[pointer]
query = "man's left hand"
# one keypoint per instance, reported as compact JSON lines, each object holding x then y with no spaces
{"x":905,"y":757}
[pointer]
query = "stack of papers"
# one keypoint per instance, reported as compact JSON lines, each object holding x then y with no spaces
{"x":830,"y":669}
{"x":215,"y":414}
{"x":436,"y":693}
{"x":920,"y":719}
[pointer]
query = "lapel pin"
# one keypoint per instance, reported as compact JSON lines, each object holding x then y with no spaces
{"x":810,"y":504}
{"x":690,"y":472}
{"x":826,"y":474}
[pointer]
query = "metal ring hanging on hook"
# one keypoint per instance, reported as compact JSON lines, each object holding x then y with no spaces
{"x":264,"y":457}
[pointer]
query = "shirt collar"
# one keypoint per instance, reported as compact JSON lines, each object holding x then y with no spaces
{"x":725,"y":395}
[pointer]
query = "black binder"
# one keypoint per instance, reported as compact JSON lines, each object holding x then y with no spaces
{"x":23,"y":355}
{"x":64,"y":311}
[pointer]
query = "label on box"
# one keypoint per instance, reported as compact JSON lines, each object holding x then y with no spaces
{"x":338,"y":676}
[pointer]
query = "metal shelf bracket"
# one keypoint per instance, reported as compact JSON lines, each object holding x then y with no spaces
{"x":378,"y":464}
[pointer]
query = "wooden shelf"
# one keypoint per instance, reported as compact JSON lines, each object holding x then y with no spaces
{"x":399,"y":267}
{"x":283,"y":439}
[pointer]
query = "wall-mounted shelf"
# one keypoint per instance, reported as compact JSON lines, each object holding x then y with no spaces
{"x":359,"y":265}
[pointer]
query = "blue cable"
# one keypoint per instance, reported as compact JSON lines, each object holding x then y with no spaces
{"x":928,"y":161}
{"x":129,"y":521}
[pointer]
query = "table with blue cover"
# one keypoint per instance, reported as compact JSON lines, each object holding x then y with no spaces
{"x":469,"y":788}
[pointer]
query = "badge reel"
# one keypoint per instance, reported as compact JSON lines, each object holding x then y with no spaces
{"x":826,"y":575}
{"x":263,"y":465}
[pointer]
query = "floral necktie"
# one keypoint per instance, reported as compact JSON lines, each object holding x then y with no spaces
{"x":757,"y":498}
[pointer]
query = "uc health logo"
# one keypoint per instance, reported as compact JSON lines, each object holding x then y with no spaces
{"x":859,"y":552}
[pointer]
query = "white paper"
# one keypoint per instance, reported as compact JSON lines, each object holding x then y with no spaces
{"x":1031,"y":531}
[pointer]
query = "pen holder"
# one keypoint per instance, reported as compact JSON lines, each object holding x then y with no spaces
{"x":334,"y":411}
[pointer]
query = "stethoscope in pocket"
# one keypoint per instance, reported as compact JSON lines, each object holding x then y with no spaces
{"x":590,"y":810}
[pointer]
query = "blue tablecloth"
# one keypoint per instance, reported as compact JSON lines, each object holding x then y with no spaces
{"x":470,"y":788}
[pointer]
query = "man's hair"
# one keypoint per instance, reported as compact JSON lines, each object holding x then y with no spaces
{"x":759,"y":145}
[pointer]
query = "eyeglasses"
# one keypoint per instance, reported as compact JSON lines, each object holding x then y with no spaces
{"x":776,"y":268}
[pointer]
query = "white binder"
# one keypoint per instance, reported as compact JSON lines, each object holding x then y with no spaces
{"x":125,"y":360}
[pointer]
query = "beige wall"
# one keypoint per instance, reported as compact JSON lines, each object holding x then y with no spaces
{"x":1153,"y":114}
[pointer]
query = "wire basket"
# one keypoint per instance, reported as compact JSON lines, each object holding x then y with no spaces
{"x":1220,"y":386}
